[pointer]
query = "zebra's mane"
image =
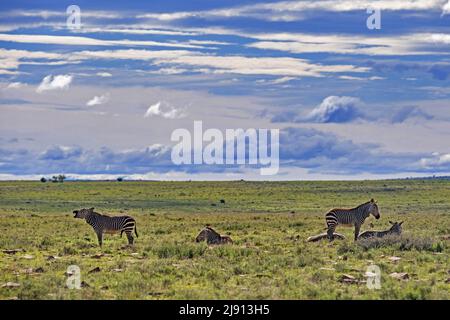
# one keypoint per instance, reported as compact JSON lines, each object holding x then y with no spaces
{"x":99,"y":214}
{"x":364,"y":204}
{"x":212,"y":230}
{"x":394,"y":226}
{"x":357,"y":207}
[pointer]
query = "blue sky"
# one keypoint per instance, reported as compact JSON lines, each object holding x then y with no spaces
{"x":349,"y":102}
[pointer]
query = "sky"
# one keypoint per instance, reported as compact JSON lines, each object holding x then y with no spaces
{"x":102,"y":101}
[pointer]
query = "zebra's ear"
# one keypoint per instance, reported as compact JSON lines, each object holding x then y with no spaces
{"x":401,"y":223}
{"x":371,"y":200}
{"x":91,"y":209}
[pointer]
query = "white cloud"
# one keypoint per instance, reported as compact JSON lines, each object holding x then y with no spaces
{"x":436,"y":160}
{"x":446,"y":8}
{"x":208,"y":42}
{"x":137,"y":29}
{"x":208,"y":63}
{"x":282,"y":80}
{"x":294,"y":10}
{"x":46,"y":14}
{"x":352,"y":5}
{"x":284,"y":66}
{"x":170,"y":71}
{"x":57,"y":82}
{"x":12,"y":59}
{"x":9,"y":72}
{"x":16,"y":85}
{"x":361,"y":78}
{"x":98,"y":100}
{"x":85,"y":41}
{"x":409,"y":44}
{"x":165,"y":110}
{"x":104,"y":74}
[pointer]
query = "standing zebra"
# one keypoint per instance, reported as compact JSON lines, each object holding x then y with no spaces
{"x":355,"y":216}
{"x":106,"y":224}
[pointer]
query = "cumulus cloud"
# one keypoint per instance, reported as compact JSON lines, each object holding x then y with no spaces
{"x":164,"y":110}
{"x":336,"y":109}
{"x":436,"y":161}
{"x":410,"y":112}
{"x":98,"y":100}
{"x":57,"y":82}
{"x":446,"y":8}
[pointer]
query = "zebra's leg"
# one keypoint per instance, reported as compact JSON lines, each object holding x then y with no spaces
{"x":100,"y":237}
{"x":357,"y":228}
{"x":330,"y":232}
{"x":129,"y":237}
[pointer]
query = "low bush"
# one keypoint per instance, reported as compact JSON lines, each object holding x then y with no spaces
{"x":403,"y":243}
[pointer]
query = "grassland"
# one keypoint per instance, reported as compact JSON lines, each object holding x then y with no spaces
{"x":268,"y":221}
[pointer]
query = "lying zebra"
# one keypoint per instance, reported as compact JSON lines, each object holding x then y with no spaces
{"x":212,"y":237}
{"x":106,"y":224}
{"x":355,"y":216}
{"x":395,"y":229}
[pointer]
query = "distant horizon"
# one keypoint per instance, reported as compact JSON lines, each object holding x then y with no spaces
{"x":124,"y":179}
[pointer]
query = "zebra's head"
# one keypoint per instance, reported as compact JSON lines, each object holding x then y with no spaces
{"x":82,"y":213}
{"x":396,"y":227}
{"x":373,"y":209}
{"x":225,"y":239}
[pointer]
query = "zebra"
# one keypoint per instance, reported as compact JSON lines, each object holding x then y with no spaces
{"x":106,"y":224}
{"x":396,"y":229}
{"x":355,"y":216}
{"x":212,"y":237}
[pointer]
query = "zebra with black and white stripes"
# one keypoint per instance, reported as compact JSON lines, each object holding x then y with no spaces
{"x":212,"y":236}
{"x":106,"y":224}
{"x":355,"y":216}
{"x":395,"y":229}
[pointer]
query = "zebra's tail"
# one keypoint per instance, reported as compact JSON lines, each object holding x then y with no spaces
{"x":135,"y":231}
{"x":121,"y":231}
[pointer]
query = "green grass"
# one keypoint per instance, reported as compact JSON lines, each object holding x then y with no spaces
{"x":268,"y":221}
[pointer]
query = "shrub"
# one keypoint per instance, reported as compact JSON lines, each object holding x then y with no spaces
{"x":179,"y":251}
{"x":347,"y":247}
{"x":403,"y":243}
